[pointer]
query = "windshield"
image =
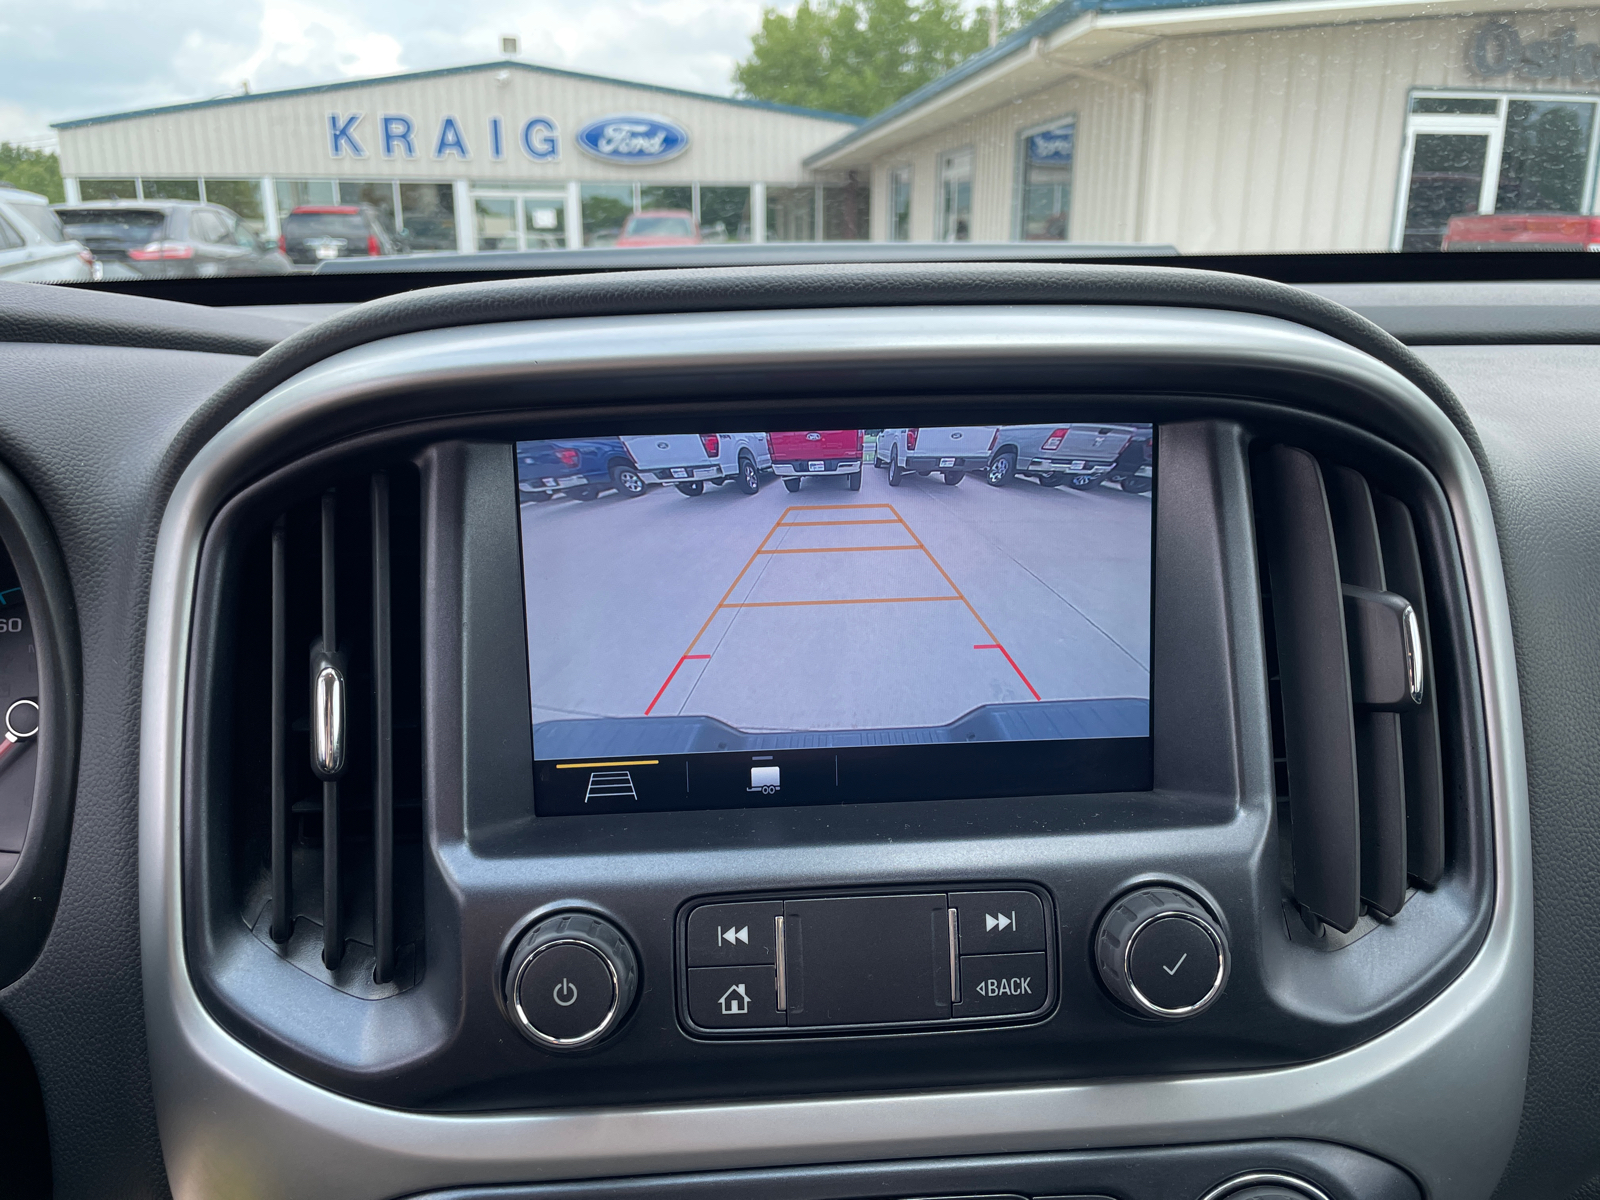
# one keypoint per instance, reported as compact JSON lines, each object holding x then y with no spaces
{"x":1076,"y":129}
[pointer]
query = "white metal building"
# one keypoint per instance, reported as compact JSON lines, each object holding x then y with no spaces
{"x":504,"y":155}
{"x":1243,"y":127}
{"x":1216,"y":127}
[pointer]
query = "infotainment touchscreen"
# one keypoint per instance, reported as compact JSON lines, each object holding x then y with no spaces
{"x":827,"y":616}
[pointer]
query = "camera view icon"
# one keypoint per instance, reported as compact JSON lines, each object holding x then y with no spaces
{"x":763,"y":780}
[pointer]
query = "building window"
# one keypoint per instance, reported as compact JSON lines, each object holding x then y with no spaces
{"x":427,"y":215}
{"x":380,"y":195}
{"x":900,"y":204}
{"x":725,"y":214}
{"x":673,"y":197}
{"x":170,"y":189}
{"x":1471,"y":155}
{"x":792,"y":214}
{"x":1044,"y":194}
{"x":293,"y":193}
{"x":108,"y":189}
{"x":605,"y":207}
{"x":955,"y":196}
{"x":240,"y":196}
{"x":846,"y":210}
{"x":527,"y":221}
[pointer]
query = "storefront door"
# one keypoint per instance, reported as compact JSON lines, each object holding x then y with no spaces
{"x":520,"y":221}
{"x":1468,"y":155}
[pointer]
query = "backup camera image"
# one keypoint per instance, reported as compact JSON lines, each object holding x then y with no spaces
{"x":815,"y":616}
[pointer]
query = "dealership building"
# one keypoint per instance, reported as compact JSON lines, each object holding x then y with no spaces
{"x":1279,"y":125}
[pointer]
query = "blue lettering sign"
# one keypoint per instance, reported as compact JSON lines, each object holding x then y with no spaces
{"x":497,"y":145}
{"x":633,"y":139}
{"x":397,"y":132}
{"x":342,"y":135}
{"x":1053,"y":147}
{"x":539,"y":140}
{"x":450,"y":140}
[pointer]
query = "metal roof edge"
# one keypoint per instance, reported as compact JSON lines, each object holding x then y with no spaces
{"x":1048,"y":22}
{"x":438,"y":72}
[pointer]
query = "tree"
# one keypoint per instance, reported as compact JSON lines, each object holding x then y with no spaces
{"x":32,"y":170}
{"x":860,"y":56}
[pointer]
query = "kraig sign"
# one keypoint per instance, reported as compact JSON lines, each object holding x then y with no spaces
{"x":1497,"y":50}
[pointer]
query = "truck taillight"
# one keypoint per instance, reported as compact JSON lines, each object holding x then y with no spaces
{"x":283,"y":244}
{"x":994,"y":440}
{"x":861,"y":442}
{"x":156,"y":251}
{"x":911,"y":439}
{"x":372,"y":245}
{"x":1057,"y":436}
{"x":712,"y":444}
{"x":569,"y":458}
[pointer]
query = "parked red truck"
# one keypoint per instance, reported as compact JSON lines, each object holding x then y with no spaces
{"x":1523,"y":231}
{"x":801,"y":453}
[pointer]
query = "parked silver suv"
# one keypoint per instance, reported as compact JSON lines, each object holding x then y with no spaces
{"x":33,"y":247}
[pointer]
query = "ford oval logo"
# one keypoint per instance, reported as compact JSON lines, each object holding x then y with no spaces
{"x":813,"y":437}
{"x":956,"y":436}
{"x":633,"y":139}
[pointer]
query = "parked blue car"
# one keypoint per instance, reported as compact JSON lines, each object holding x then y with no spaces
{"x":583,"y":468}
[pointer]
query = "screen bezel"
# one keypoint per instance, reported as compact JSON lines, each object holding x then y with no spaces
{"x":905,"y":773}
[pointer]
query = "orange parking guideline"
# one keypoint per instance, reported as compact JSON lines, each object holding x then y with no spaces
{"x":816,"y":603}
{"x":783,"y":523}
{"x":834,"y":549}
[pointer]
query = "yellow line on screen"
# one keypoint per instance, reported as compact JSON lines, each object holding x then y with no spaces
{"x":629,"y":762}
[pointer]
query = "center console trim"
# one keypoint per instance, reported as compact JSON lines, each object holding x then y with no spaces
{"x":1440,"y":1094}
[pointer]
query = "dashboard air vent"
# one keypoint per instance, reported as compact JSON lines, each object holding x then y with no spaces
{"x":1355,"y":716}
{"x":334,"y":710}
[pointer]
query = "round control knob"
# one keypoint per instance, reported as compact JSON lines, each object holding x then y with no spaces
{"x":1161,"y":953}
{"x":1265,"y":1185}
{"x":570,"y":980}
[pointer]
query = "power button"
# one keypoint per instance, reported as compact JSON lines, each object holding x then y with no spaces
{"x":569,"y":981}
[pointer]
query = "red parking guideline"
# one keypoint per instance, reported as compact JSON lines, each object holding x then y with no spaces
{"x":1014,"y":667}
{"x":668,"y":679}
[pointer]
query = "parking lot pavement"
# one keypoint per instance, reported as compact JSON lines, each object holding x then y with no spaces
{"x":830,"y":609}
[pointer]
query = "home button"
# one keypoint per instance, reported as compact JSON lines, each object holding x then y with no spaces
{"x":734,"y":997}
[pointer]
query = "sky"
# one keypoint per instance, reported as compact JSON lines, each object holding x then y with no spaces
{"x":78,"y":58}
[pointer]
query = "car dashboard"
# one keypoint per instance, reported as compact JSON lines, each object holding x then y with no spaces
{"x":1099,"y":769}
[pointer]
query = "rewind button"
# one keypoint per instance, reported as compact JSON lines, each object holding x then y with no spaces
{"x":733,"y":935}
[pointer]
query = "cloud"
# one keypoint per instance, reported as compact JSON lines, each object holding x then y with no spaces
{"x":75,"y":58}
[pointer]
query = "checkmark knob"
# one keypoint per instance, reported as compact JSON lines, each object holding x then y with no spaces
{"x":1162,"y":953}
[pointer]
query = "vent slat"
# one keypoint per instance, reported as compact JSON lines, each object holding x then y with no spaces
{"x":332,"y":909}
{"x":1424,"y":768}
{"x":1380,"y":769}
{"x":383,"y":737}
{"x":282,"y":897}
{"x":1319,"y":737}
